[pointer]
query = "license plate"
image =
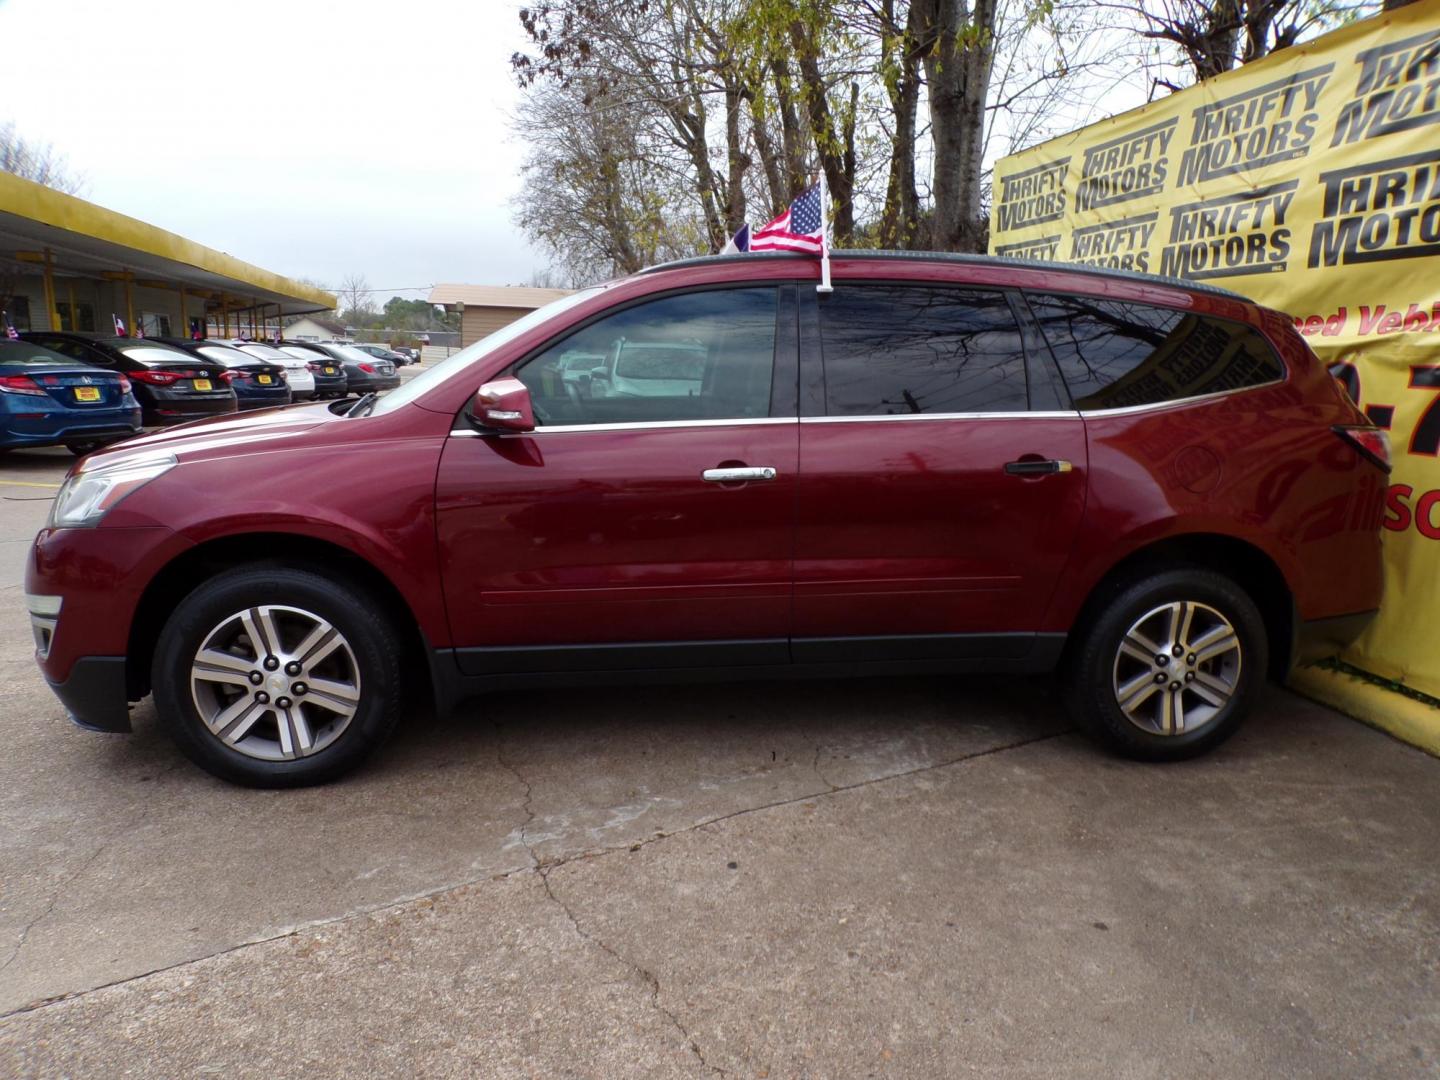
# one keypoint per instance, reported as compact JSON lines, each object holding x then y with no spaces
{"x":87,"y":393}
{"x":202,"y":384}
{"x":263,"y":379}
{"x":329,"y":371}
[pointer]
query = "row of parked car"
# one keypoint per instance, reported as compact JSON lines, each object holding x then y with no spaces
{"x":84,"y":390}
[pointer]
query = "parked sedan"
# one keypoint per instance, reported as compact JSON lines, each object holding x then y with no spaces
{"x":297,"y":371}
{"x":169,"y":385}
{"x":398,"y":357}
{"x":47,"y":399}
{"x":257,"y":383}
{"x":329,"y":376}
{"x":363,"y":372}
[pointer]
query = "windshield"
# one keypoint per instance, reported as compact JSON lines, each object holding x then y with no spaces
{"x":349,"y":352}
{"x":156,"y":354}
{"x":223,"y":354}
{"x":22,"y":352}
{"x":265,"y":352}
{"x":461,"y":361}
{"x":310,"y":356}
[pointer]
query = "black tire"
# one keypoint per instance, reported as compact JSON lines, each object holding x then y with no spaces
{"x":1094,"y":670}
{"x":373,"y":652}
{"x":81,"y":449}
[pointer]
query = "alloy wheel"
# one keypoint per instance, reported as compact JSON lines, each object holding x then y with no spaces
{"x":275,"y":682}
{"x":1177,"y":668}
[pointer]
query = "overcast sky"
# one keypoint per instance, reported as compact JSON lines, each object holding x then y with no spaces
{"x":313,"y":139}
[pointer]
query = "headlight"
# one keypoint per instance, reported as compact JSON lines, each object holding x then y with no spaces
{"x":88,"y":496}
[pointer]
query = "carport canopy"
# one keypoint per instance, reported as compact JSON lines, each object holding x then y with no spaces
{"x":63,"y":236}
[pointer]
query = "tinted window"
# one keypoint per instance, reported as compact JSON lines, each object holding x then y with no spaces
{"x":1115,"y":354}
{"x":72,"y":349}
{"x":24,"y":352}
{"x":920,"y":349}
{"x":697,"y":356}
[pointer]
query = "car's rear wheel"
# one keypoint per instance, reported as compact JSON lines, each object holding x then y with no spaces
{"x":277,"y":677}
{"x":1169,"y":666}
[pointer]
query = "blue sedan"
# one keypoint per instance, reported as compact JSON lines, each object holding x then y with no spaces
{"x":50,"y":400}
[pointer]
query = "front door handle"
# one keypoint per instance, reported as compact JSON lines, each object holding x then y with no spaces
{"x":739,"y":475}
{"x":1036,"y":467}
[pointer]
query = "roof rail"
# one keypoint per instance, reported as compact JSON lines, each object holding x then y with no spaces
{"x":958,"y":257}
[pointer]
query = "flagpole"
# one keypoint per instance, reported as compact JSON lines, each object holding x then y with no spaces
{"x":824,"y":285}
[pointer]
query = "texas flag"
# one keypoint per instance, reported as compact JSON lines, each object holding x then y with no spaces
{"x":119,"y":325}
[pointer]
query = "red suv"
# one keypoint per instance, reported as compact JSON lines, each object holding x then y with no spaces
{"x":946,"y":465}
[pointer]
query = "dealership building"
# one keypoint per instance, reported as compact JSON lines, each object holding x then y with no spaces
{"x":68,"y":264}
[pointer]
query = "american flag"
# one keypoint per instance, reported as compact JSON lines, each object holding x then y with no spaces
{"x":10,"y":331}
{"x":800,"y":228}
{"x":140,"y":328}
{"x":119,"y":325}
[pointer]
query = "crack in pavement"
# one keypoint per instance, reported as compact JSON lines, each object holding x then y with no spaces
{"x":525,"y":805}
{"x":542,"y":869}
{"x":815,"y":768}
{"x":60,"y":889}
{"x":50,"y":907}
{"x":651,"y":979}
{"x":548,"y":866}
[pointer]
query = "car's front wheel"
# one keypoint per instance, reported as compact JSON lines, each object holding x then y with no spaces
{"x":1170,"y":664}
{"x":277,"y":677}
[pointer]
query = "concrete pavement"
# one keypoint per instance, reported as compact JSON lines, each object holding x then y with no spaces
{"x":890,"y":878}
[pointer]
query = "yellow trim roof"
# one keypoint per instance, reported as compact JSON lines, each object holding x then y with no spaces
{"x":33,"y":201}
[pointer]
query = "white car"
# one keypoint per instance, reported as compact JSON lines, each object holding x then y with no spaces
{"x":302,"y":383}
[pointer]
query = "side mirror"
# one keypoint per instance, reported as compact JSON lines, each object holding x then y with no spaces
{"x":504,"y":405}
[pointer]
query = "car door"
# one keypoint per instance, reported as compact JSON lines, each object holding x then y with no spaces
{"x":647,"y":530}
{"x":943,"y":476}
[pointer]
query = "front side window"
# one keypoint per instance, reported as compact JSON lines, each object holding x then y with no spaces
{"x":695,"y":356}
{"x":1114,"y":354}
{"x":909,"y":349}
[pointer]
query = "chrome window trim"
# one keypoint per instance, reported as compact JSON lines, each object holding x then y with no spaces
{"x":866,"y":418}
{"x":1127,"y":410}
{"x":645,"y":425}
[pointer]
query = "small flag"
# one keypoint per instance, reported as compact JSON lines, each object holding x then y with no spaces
{"x":119,"y":325}
{"x":140,"y":327}
{"x":800,"y":228}
{"x":197,"y":331}
{"x":738,"y":243}
{"x":10,"y":331}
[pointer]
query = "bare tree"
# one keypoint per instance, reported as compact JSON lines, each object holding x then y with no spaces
{"x":1203,"y":38}
{"x":37,"y":161}
{"x":603,"y":192}
{"x":355,"y":305}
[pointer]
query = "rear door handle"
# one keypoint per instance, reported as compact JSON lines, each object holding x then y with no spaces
{"x":1032,"y":467}
{"x":735,"y":476}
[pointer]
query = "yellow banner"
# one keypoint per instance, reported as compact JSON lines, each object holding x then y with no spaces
{"x":1310,"y":182}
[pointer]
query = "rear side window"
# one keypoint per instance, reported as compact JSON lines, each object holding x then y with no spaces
{"x":904,"y":349}
{"x":1114,"y":354}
